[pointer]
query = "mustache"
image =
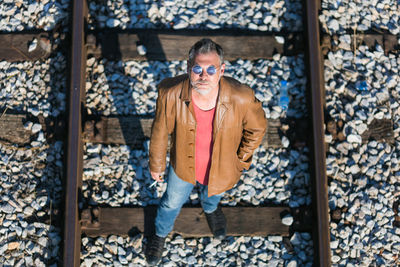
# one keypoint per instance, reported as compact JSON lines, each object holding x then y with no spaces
{"x":200,"y":82}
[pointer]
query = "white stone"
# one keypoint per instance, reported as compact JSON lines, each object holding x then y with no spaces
{"x":182,"y":24}
{"x":275,"y":238}
{"x":354,"y":169}
{"x":379,"y":115}
{"x":153,"y":12}
{"x":354,"y":138}
{"x":333,"y":24}
{"x":141,"y":49}
{"x":361,"y":128}
{"x":287,"y":220}
{"x":334,"y":244}
{"x":280,"y":39}
{"x":32,"y":45}
{"x":36,"y":128}
{"x":112,"y":23}
{"x":32,"y":7}
{"x":90,"y":61}
{"x":285,"y":141}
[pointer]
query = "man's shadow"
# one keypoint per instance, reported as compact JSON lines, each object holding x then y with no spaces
{"x":131,"y":124}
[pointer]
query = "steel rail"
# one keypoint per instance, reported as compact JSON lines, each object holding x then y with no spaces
{"x":73,"y":179}
{"x":316,"y":94}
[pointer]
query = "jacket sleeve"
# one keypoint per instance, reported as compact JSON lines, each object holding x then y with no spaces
{"x":163,"y":125}
{"x":254,"y":128}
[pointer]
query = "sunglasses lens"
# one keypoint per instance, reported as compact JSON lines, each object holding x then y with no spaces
{"x":211,"y":70}
{"x":197,"y":69}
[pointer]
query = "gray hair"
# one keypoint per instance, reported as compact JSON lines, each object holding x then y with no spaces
{"x":205,"y":46}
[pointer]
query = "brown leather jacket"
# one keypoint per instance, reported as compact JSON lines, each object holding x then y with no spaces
{"x":238,"y":128}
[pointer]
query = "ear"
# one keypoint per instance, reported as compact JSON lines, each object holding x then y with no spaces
{"x":222,"y":68}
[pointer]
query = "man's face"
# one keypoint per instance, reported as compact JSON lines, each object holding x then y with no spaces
{"x":203,"y":82}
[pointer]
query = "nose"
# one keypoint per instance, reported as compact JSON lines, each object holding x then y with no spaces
{"x":203,"y":73}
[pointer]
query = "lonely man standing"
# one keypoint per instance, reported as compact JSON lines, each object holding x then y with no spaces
{"x":215,"y":123}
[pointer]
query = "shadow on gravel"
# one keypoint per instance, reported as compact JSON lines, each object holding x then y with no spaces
{"x":55,"y":134}
{"x":126,"y":95}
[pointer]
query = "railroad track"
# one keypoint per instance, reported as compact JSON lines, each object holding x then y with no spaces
{"x":93,"y":220}
{"x":91,"y":128}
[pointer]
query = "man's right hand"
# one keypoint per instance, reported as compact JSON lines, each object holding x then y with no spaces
{"x":158,"y":176}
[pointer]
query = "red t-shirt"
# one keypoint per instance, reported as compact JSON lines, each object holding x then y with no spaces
{"x":204,"y":129}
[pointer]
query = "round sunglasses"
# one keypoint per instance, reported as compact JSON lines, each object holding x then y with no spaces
{"x":198,"y":70}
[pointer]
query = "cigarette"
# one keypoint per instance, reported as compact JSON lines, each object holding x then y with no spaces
{"x":153,"y":184}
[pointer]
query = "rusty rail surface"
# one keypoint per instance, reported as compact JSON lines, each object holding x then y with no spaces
{"x":318,"y":167}
{"x":72,"y":231}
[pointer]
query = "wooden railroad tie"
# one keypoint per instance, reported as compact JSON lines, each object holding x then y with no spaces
{"x":25,"y":46}
{"x":126,"y":130}
{"x":191,"y":222}
{"x":13,"y":131}
{"x":388,"y":42}
{"x":379,"y":130}
{"x":161,"y":45}
{"x":134,"y":130}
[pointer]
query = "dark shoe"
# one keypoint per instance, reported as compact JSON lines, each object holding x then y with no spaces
{"x":217,"y":223}
{"x":154,"y":250}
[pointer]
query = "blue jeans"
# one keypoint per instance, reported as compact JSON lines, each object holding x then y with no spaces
{"x":177,"y":193}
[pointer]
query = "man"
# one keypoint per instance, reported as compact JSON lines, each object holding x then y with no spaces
{"x":215,"y":123}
